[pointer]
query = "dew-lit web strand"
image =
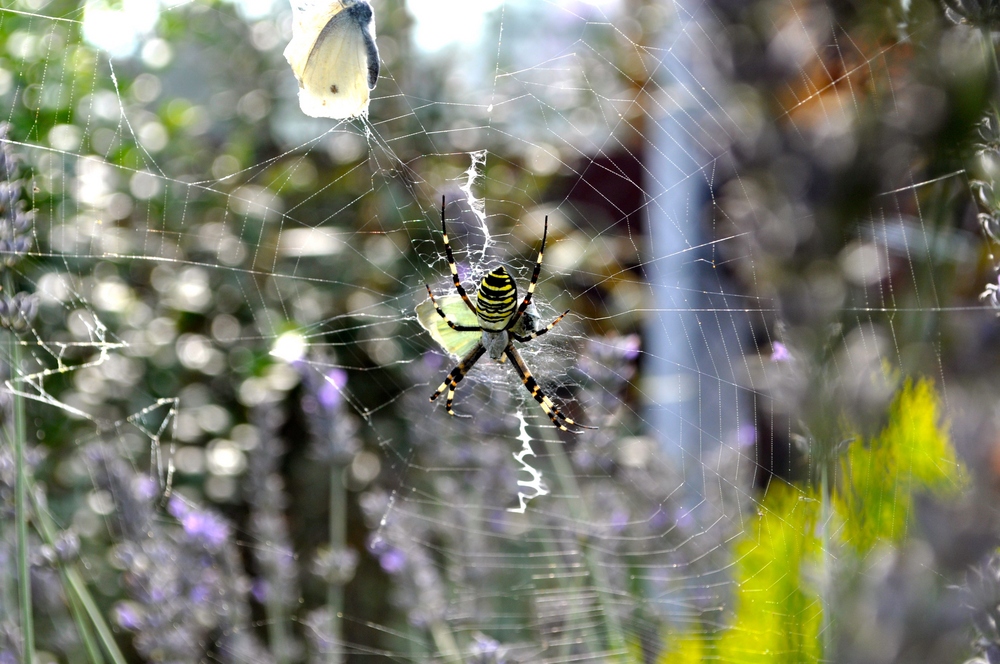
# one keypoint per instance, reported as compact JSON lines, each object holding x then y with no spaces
{"x":410,"y":499}
{"x":612,"y":136}
{"x":42,"y":396}
{"x":916,"y":201}
{"x":203,"y":186}
{"x":816,"y":94}
{"x":259,"y":168}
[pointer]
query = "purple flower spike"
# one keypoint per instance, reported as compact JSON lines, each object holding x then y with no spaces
{"x":630,"y":345}
{"x":658,"y":520}
{"x":486,"y":650}
{"x":619,"y":519}
{"x":146,"y":487}
{"x":333,"y":384}
{"x":780,"y":353}
{"x":209,"y":528}
{"x":684,"y":518}
{"x":259,"y":590}
{"x":127,"y":617}
{"x":392,"y":561}
{"x":200,"y":594}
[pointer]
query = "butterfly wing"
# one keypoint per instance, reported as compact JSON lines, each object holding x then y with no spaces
{"x":309,"y":17}
{"x":334,"y":57}
{"x":457,"y":344}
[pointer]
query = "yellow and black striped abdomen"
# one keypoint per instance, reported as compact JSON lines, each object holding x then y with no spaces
{"x":496,"y":300}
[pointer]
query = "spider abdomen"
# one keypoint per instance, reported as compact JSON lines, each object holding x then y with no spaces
{"x":496,"y":300}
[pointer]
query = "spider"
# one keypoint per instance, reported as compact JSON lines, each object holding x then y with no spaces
{"x":501,"y":322}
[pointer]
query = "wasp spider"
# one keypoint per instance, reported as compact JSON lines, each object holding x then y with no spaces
{"x":500,"y":322}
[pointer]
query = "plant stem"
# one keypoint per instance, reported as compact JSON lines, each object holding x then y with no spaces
{"x":77,"y":591}
{"x":338,"y":540}
{"x":568,"y":486}
{"x":277,"y":625}
{"x":16,"y":437}
{"x":445,"y":642}
{"x":94,"y":613}
{"x":82,"y":628}
{"x":75,"y":605}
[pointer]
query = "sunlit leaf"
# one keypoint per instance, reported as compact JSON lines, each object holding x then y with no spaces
{"x":879,"y":477}
{"x":457,"y":344}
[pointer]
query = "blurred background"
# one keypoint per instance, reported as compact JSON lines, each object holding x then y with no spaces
{"x":774,"y":223}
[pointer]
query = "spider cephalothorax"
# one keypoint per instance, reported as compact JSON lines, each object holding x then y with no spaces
{"x":500,"y":322}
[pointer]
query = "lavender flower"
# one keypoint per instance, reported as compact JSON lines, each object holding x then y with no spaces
{"x":392,"y":560}
{"x":18,"y":311}
{"x":202,"y":526}
{"x":780,"y":352}
{"x":333,"y":431}
{"x":15,"y":220}
{"x":16,"y":314}
{"x":186,"y":582}
{"x":265,"y":493}
{"x":65,"y":549}
{"x":335,"y":565}
{"x":485,"y":650}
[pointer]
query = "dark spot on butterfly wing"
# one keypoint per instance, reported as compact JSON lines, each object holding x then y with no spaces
{"x":334,"y":89}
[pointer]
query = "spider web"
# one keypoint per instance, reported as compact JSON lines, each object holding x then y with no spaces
{"x":227,"y":294}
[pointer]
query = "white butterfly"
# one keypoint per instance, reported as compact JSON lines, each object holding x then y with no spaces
{"x":333,"y":56}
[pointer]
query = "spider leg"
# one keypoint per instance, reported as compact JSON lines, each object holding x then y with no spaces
{"x":534,"y":279}
{"x":451,"y":262}
{"x":538,"y":333}
{"x":532,"y":386}
{"x":457,"y":328}
{"x":457,"y":374}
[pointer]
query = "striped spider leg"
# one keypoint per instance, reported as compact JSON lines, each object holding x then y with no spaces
{"x":455,"y":377}
{"x":536,"y":393}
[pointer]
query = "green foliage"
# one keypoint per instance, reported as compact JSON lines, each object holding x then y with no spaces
{"x":879,"y":478}
{"x":684,"y":648}
{"x":778,"y":613}
{"x":779,"y":607}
